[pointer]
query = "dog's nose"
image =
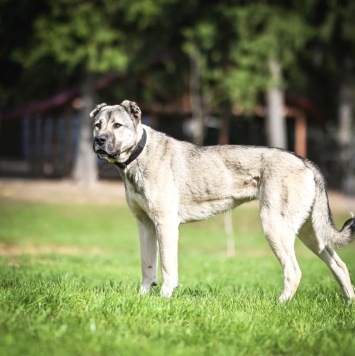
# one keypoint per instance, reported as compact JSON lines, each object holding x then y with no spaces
{"x":100,"y":140}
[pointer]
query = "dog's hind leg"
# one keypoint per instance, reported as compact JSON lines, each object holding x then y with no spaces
{"x":286,"y":199}
{"x":330,"y":257}
{"x":149,"y":253}
{"x":281,"y":240}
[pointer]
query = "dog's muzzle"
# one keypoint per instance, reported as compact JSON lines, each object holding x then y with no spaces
{"x":101,"y":140}
{"x":101,"y":147}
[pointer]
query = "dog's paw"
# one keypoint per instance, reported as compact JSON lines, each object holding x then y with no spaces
{"x":285,"y":297}
{"x":167,"y":291}
{"x":144,"y":290}
{"x":146,"y":287}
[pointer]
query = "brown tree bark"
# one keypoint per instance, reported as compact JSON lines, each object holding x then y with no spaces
{"x":275,"y":103}
{"x":195,"y":97}
{"x":85,"y":168}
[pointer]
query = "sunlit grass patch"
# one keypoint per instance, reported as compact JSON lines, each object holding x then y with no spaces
{"x":69,"y":285}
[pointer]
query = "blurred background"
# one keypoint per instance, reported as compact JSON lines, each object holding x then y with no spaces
{"x":276,"y":73}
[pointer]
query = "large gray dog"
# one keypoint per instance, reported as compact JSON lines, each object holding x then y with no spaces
{"x":169,"y":182}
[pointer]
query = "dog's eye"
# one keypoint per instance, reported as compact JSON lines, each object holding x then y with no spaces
{"x":116,"y":125}
{"x":98,"y":126}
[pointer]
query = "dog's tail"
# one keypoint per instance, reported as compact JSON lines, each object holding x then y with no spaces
{"x":322,"y":220}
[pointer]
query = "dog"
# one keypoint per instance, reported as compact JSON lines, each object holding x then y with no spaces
{"x":170,"y":182}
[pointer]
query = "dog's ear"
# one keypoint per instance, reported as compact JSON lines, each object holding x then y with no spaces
{"x":97,"y":109}
{"x":133,"y":109}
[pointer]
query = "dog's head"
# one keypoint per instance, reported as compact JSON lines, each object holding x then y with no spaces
{"x":115,"y":130}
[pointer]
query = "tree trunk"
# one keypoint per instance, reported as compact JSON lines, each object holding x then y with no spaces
{"x":345,"y":114}
{"x":85,"y":165}
{"x":275,"y":102}
{"x":195,"y":97}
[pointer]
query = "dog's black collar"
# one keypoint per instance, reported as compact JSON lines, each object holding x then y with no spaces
{"x":136,"y":152}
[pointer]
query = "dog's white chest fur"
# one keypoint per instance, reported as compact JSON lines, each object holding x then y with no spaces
{"x":136,"y":201}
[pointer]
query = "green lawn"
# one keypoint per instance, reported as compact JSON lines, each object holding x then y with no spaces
{"x":69,"y":278}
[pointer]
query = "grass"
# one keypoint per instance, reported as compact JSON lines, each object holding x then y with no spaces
{"x":69,"y":286}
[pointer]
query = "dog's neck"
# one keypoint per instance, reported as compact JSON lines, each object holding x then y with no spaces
{"x":135,"y":153}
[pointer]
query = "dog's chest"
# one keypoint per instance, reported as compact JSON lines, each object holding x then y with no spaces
{"x":135,"y":197}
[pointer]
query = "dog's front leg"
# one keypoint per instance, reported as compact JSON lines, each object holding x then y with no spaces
{"x":149,"y":254}
{"x":168,"y":236}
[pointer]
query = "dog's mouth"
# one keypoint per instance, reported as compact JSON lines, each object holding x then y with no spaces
{"x":102,"y":154}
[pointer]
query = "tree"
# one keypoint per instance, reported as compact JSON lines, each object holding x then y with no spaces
{"x":199,"y":40}
{"x":335,"y":47}
{"x":268,"y":37}
{"x":275,"y":104}
{"x":339,"y":28}
{"x":17,"y":84}
{"x":81,"y":36}
{"x":85,"y":168}
{"x":236,"y":52}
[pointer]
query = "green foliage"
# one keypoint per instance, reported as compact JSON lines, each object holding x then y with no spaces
{"x":338,"y":25}
{"x":79,"y":34}
{"x":235,"y":42}
{"x":81,"y":297}
{"x":264,"y":32}
{"x":236,"y":47}
{"x":146,"y":13}
{"x":203,"y":34}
